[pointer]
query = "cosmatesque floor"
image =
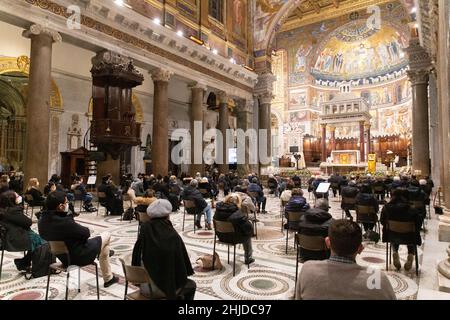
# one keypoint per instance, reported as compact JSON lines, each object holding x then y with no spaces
{"x":271,"y":277}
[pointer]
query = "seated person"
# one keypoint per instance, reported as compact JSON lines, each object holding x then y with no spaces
{"x":427,"y":189}
{"x":287,"y":194}
{"x":230,"y":210}
{"x":55,"y":224}
{"x":15,"y":183}
{"x":162,"y":252}
{"x":260,"y":199}
{"x":19,"y":236}
{"x":339,"y":277}
{"x":143,"y":202}
{"x":315,"y":222}
{"x":55,"y":184}
{"x":86,"y":196}
{"x":205,"y":188}
{"x":127,"y":190}
{"x":297,"y":181}
{"x":247,"y":201}
{"x":191,"y":193}
{"x":315,"y":184}
{"x":417,"y":197}
{"x":36,"y":194}
{"x":379,"y":188}
{"x":349,"y":192}
{"x":138,"y":187}
{"x":366,"y":198}
{"x":398,"y":209}
{"x":334,"y":181}
{"x":272,"y":184}
{"x":297,"y":203}
{"x":113,"y":201}
{"x":224,"y":184}
{"x":174,"y":188}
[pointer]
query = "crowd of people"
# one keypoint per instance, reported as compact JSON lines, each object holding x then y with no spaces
{"x":160,"y":196}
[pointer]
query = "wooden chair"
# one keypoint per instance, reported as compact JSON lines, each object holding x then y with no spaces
{"x":225,"y":227}
{"x":367,"y":214}
{"x":189,"y":204}
{"x":78,"y":196}
{"x":282,"y":212}
{"x":251,"y":216}
{"x":60,"y":248}
{"x":101,"y":198}
{"x":404,"y":231}
{"x":29,"y":202}
{"x":312,"y":243}
{"x":292,"y":217}
{"x":347,"y":201}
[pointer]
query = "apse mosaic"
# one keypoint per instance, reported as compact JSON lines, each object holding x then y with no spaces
{"x":355,"y":51}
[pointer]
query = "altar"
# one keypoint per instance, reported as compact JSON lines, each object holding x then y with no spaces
{"x":343,"y":162}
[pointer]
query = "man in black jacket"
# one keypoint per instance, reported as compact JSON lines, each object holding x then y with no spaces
{"x":56,"y":224}
{"x":113,"y":201}
{"x":191,"y":193}
{"x":315,"y":222}
{"x":349,"y":194}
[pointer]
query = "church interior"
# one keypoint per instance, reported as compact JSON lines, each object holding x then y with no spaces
{"x":341,"y":93}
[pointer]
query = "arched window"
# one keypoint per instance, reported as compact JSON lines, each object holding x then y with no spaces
{"x":215,"y":9}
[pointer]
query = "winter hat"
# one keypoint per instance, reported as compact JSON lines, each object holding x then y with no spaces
{"x":161,"y":208}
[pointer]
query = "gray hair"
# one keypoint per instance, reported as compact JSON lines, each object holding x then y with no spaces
{"x":322,"y":204}
{"x":194,"y":183}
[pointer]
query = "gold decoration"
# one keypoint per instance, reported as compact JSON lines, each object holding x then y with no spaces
{"x":22,"y":65}
{"x":136,"y":104}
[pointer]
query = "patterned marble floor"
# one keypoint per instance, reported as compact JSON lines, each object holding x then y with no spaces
{"x":271,"y":277}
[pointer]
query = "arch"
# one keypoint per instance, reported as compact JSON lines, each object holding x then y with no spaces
{"x":12,"y":99}
{"x":21,"y":65}
{"x":136,"y":104}
{"x":285,"y":11}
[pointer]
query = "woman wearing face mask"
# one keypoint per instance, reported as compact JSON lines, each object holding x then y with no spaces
{"x":33,"y":190}
{"x":19,"y":236}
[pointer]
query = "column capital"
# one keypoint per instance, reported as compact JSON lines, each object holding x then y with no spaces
{"x":266,"y":97}
{"x":418,"y":76}
{"x":222,"y":96}
{"x":245,"y":106}
{"x":198,"y":85}
{"x":159,"y":74}
{"x":418,"y":57}
{"x":37,"y":29}
{"x":323,"y":125}
{"x":332,"y":128}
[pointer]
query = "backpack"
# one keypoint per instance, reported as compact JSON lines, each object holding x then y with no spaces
{"x":42,"y":258}
{"x":128,"y":215}
{"x":206,"y":261}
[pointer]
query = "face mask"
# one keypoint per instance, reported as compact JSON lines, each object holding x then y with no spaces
{"x":19,"y":200}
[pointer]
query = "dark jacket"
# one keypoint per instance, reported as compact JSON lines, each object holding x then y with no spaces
{"x":164,"y":255}
{"x":113,"y":201}
{"x":17,"y":226}
{"x":254,"y":187}
{"x":416,"y":194}
{"x":38,"y":198}
{"x":315,"y":222}
{"x":272,"y":183}
{"x":207,"y":187}
{"x":379,"y":187}
{"x":295,"y":204}
{"x":230,"y":212}
{"x":367,"y":199}
{"x":191,"y":193}
{"x":58,"y":226}
{"x":348,"y":192}
{"x":335,"y":180}
{"x":398,"y":210}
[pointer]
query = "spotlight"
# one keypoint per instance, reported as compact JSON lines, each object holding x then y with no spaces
{"x":215,"y":51}
{"x":197,"y":40}
{"x":157,"y":21}
{"x":119,"y":3}
{"x":414,"y":10}
{"x":232,"y":60}
{"x":180,"y":33}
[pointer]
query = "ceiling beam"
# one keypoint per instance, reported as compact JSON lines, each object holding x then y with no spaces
{"x":315,"y":4}
{"x":298,"y":13}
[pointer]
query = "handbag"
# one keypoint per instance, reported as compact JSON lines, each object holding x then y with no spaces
{"x":206,"y":261}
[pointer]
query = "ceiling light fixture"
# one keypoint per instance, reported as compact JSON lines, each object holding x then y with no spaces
{"x":215,"y":51}
{"x":180,"y":33}
{"x":157,"y":21}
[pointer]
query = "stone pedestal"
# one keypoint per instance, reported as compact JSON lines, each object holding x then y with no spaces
{"x":160,"y":147}
{"x":38,"y":105}
{"x":444,"y":227}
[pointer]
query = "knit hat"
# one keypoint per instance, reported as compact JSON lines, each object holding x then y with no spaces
{"x":161,"y":208}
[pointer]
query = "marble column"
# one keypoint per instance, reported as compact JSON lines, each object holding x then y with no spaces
{"x":196,"y":113}
{"x":160,"y":146}
{"x":324,"y":142}
{"x":264,"y":122}
{"x":361,"y":142}
{"x":333,"y":137}
{"x":38,"y":103}
{"x":420,"y":123}
{"x":223,"y":126}
{"x":244,"y":114}
{"x":369,"y":142}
